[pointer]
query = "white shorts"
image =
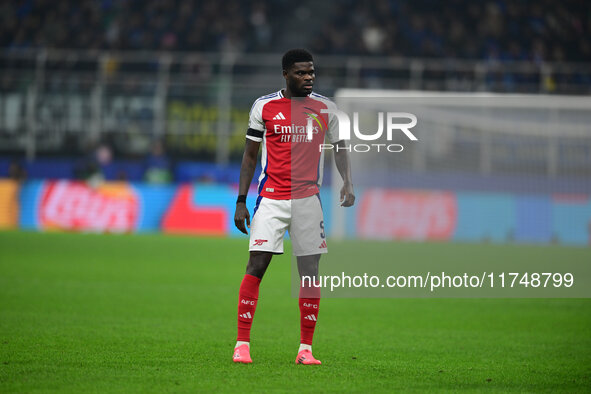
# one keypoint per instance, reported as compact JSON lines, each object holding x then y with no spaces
{"x":303,"y":219}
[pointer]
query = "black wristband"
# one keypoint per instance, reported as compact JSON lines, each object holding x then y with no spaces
{"x":241,"y":198}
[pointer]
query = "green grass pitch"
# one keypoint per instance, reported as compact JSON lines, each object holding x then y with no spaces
{"x":154,"y":313}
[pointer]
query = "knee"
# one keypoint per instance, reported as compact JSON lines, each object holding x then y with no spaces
{"x":258,"y":263}
{"x":308,"y":265}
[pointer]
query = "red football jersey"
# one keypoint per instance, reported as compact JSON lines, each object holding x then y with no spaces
{"x":291,"y":132}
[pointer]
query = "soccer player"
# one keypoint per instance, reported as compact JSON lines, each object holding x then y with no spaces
{"x":288,"y":194}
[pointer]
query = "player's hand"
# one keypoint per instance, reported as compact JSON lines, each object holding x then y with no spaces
{"x":347,"y":195}
{"x":240,"y":216}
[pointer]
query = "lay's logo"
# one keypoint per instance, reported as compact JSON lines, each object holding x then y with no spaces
{"x":111,"y":207}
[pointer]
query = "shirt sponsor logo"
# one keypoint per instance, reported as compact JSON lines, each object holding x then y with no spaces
{"x":296,"y":133}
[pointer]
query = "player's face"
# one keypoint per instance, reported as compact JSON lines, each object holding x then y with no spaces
{"x":300,"y":78}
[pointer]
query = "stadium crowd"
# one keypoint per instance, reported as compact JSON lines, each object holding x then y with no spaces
{"x":502,"y":30}
{"x":203,"y":25}
{"x":543,"y":30}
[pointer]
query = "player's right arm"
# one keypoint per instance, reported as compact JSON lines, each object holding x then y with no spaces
{"x":247,"y":169}
{"x":254,"y":137}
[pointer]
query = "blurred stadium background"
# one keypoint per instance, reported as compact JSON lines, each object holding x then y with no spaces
{"x":129,"y":116}
{"x":158,"y":92}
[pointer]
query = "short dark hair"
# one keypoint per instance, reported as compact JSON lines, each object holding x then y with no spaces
{"x":294,"y":56}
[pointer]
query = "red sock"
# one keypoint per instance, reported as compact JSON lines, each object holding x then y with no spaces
{"x":247,"y":304}
{"x":309,"y":305}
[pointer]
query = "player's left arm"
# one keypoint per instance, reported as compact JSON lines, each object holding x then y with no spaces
{"x":341,"y":158}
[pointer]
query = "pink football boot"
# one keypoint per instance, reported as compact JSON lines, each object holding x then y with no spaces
{"x":305,"y":357}
{"x":242,"y":354}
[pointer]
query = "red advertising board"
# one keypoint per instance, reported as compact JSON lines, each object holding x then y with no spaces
{"x":183,"y":217}
{"x":408,"y":215}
